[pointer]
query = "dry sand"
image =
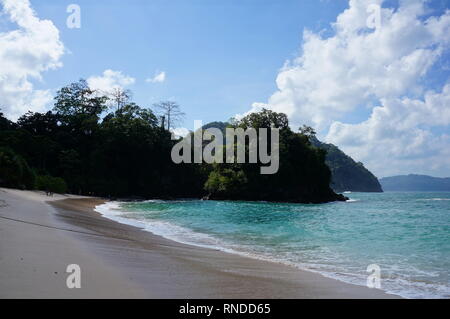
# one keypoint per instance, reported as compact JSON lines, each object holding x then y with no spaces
{"x":40,"y":236}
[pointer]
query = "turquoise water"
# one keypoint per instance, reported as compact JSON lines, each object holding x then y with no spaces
{"x":406,"y":234}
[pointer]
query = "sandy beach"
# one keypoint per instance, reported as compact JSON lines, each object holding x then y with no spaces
{"x":40,"y":236}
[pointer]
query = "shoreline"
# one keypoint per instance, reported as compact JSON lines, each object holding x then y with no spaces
{"x":139,"y":225}
{"x":123,"y":261}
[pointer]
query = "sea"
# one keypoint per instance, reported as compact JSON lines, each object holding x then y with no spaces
{"x":404,"y":235}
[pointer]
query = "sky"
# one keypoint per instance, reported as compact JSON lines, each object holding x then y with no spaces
{"x":371,"y":76}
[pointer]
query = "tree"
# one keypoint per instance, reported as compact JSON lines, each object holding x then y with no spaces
{"x":264,"y":119}
{"x":307,"y":131}
{"x":225,"y":182}
{"x":14,"y":170}
{"x":133,"y":111}
{"x":171,"y":112}
{"x":127,"y":153}
{"x":38,"y":123}
{"x":119,"y":97}
{"x":302,"y":176}
{"x":78,"y":108}
{"x":51,"y":184}
{"x":79,"y":99}
{"x":5,"y":124}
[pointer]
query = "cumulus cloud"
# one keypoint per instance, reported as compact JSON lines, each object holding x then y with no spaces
{"x":356,"y":66}
{"x":398,"y":137}
{"x":359,"y":69}
{"x":110,"y":80}
{"x":25,"y":53}
{"x":158,"y":78}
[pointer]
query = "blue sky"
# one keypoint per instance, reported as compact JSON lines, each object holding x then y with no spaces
{"x":381,"y":94}
{"x":219,"y":56}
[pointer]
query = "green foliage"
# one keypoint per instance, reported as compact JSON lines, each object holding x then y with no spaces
{"x":347,"y":175}
{"x":302,"y":176}
{"x":127,"y":153}
{"x":77,"y":99}
{"x":51,"y":184}
{"x":38,"y":123}
{"x":225,"y":182}
{"x":307,"y":131}
{"x":5,"y":124}
{"x":14,"y":170}
{"x":264,"y":119}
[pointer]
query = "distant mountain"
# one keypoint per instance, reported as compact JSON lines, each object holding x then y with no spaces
{"x":347,"y":175}
{"x":414,"y":182}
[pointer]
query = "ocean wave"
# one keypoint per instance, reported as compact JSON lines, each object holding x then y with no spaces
{"x":391,"y":284}
{"x":114,"y":211}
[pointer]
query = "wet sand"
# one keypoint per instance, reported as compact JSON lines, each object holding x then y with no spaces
{"x":40,"y":236}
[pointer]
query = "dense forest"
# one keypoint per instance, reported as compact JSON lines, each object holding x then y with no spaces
{"x":93,"y":144}
{"x":346,"y":174}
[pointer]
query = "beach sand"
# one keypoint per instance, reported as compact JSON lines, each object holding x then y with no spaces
{"x":40,"y":236}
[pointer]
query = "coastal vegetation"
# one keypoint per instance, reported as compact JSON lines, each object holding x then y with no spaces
{"x":302,"y":177}
{"x":346,"y":174}
{"x":92,"y":144}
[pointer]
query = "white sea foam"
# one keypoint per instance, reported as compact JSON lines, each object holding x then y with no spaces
{"x":113,"y":211}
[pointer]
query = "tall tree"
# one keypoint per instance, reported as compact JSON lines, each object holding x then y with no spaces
{"x":171,"y":112}
{"x":79,"y":99}
{"x":119,"y":97}
{"x":307,"y":131}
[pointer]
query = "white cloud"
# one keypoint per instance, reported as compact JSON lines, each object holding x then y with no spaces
{"x":110,"y":80}
{"x":397,"y":137}
{"x":358,"y":68}
{"x":256,"y":107}
{"x":339,"y":74}
{"x":25,"y":53}
{"x":158,"y":78}
{"x":180,"y":131}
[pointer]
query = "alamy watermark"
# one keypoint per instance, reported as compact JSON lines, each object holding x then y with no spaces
{"x":74,"y":279}
{"x":74,"y":19}
{"x":236,"y":147}
{"x":374,"y":19}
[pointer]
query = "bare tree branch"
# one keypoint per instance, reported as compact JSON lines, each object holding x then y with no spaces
{"x":171,"y":112}
{"x":119,"y":97}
